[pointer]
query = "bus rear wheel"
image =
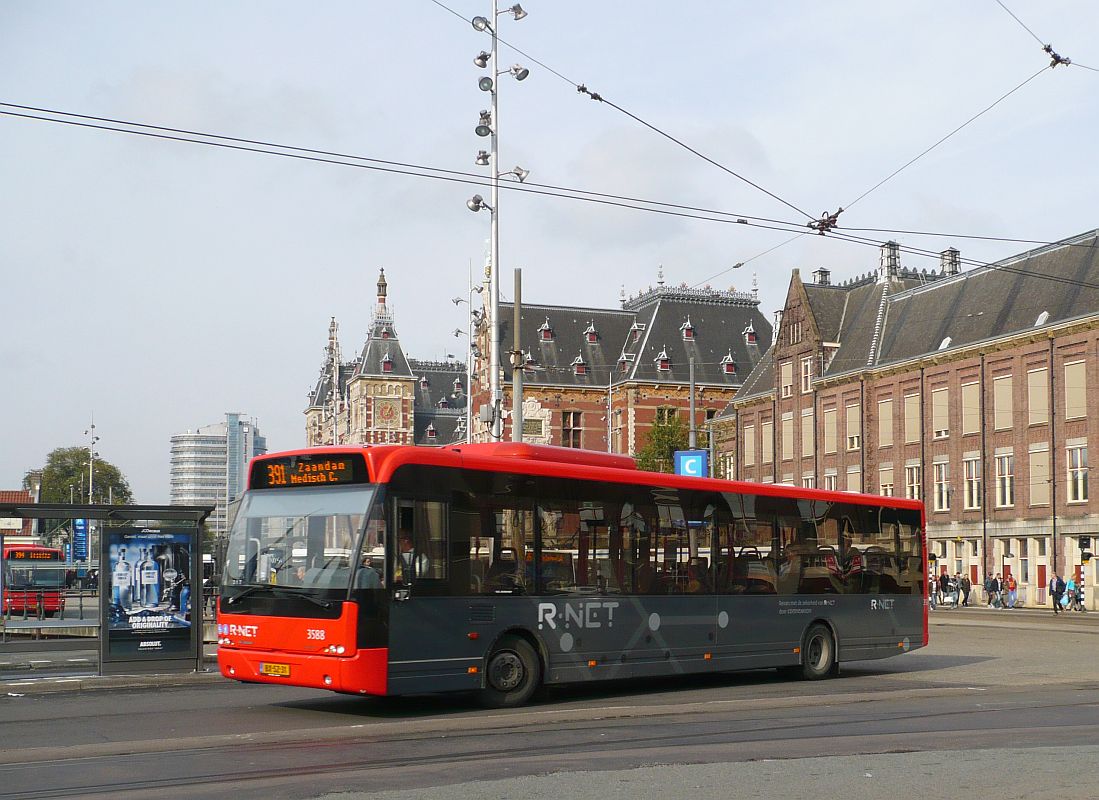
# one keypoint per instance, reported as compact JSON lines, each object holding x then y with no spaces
{"x":512,"y":673}
{"x":818,"y":653}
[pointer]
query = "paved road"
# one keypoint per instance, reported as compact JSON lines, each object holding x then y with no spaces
{"x":979,"y":710}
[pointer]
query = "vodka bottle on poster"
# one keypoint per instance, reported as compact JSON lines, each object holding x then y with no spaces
{"x":122,"y":581}
{"x":149,"y":575}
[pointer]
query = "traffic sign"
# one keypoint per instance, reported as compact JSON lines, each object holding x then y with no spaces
{"x":692,"y":463}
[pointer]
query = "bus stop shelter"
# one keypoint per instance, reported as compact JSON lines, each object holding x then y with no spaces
{"x":150,"y":598}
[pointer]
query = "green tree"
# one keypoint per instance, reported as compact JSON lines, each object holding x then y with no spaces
{"x":65,"y":477}
{"x":665,"y":437}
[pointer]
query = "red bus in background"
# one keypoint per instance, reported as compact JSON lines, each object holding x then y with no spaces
{"x":34,"y":580}
{"x":496,"y":568}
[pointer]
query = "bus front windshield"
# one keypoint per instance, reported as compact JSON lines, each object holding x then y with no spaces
{"x":302,"y":539}
{"x":34,"y":575}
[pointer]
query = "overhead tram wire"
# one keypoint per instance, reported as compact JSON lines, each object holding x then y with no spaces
{"x":453,"y":176}
{"x":912,"y":161}
{"x":381,"y":165}
{"x":580,"y":87}
{"x":477,"y":178}
{"x":417,"y":171}
{"x":746,"y":261}
{"x":1046,"y":46}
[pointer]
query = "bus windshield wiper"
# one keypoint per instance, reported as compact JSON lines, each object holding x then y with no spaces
{"x":284,"y":590}
{"x":302,"y":593}
{"x":245,"y":592}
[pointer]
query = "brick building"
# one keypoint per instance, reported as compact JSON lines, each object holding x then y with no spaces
{"x":974,"y":391}
{"x":382,"y":396}
{"x":599,"y":378}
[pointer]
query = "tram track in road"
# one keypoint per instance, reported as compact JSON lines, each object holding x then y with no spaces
{"x":255,"y":768}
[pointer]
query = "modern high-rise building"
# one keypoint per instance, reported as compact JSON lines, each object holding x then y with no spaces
{"x":209,"y":466}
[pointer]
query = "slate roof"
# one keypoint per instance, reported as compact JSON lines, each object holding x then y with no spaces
{"x":920,"y":310}
{"x":445,"y":380}
{"x":448,"y":424}
{"x":382,"y":343}
{"x":636,"y":336}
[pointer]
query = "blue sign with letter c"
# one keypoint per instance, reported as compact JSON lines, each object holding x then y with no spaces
{"x":692,"y":463}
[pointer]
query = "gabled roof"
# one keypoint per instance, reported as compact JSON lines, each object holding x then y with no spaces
{"x":914,"y":314}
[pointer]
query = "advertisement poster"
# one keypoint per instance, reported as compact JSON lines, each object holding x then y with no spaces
{"x":148,"y":582}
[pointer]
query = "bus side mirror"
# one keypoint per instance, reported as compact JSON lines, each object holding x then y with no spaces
{"x":400,"y":595}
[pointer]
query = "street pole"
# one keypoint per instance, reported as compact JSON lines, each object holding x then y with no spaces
{"x":494,"y":288}
{"x":517,"y":363}
{"x":692,"y":439}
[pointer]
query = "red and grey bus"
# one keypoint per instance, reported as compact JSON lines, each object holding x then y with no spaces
{"x":34,"y":580}
{"x":500,"y":567}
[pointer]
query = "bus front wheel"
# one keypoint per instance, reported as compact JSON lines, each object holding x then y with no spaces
{"x":818,"y":653}
{"x":512,"y":673}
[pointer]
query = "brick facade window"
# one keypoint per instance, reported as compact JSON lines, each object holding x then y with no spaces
{"x":1077,"y":459}
{"x":571,"y":429}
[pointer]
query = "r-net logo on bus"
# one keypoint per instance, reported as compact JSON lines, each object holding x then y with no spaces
{"x":585,"y":614}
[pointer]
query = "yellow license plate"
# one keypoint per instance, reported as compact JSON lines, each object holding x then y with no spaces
{"x":281,"y":670}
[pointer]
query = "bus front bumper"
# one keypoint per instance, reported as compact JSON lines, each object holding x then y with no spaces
{"x":363,"y":673}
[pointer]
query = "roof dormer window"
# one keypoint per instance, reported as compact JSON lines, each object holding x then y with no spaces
{"x":457,"y":385}
{"x":663,"y":363}
{"x":728,"y":366}
{"x":579,"y":367}
{"x":591,"y":336}
{"x":636,"y":330}
{"x":750,"y":334}
{"x":545,"y":333}
{"x":687,"y":329}
{"x":385,"y":332}
{"x":430,"y":430}
{"x":443,"y":403}
{"x":623,"y":365}
{"x":423,"y":382}
{"x":387,"y":363}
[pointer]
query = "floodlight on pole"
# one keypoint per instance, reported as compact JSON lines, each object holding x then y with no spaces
{"x":482,"y":59}
{"x":481,"y":24}
{"x":482,"y":158}
{"x":485,"y":84}
{"x":476,"y":203}
{"x":519,"y":72}
{"x":517,"y":11}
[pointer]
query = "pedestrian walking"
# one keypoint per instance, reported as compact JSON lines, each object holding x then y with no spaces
{"x":1070,"y":593}
{"x":956,"y":589}
{"x":988,"y":590}
{"x":967,"y":587}
{"x":1012,"y":586}
{"x":941,"y":588}
{"x":932,"y":590}
{"x":994,"y":589}
{"x":1056,"y":591}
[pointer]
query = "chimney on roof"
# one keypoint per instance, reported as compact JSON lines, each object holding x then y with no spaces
{"x":890,"y":261}
{"x":949,"y":261}
{"x":822,"y":277}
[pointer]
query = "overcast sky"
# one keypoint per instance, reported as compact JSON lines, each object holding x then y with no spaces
{"x":159,"y":284}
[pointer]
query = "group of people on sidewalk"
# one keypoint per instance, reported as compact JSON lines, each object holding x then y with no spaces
{"x":1067,"y":596}
{"x":952,"y":591}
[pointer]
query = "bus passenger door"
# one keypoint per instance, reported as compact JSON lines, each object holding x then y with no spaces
{"x":428,"y":647}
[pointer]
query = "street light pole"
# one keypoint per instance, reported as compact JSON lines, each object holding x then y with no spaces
{"x":490,"y":126}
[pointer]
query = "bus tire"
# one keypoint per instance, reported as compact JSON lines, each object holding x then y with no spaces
{"x":512,"y":673}
{"x":818,"y":653}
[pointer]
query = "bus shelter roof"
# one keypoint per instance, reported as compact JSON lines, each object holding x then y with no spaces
{"x":194,"y":514}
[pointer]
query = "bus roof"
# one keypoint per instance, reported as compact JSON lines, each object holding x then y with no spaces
{"x":565,"y":462}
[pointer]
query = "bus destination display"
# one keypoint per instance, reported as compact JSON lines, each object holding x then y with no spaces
{"x":290,"y":471}
{"x":34,"y":555}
